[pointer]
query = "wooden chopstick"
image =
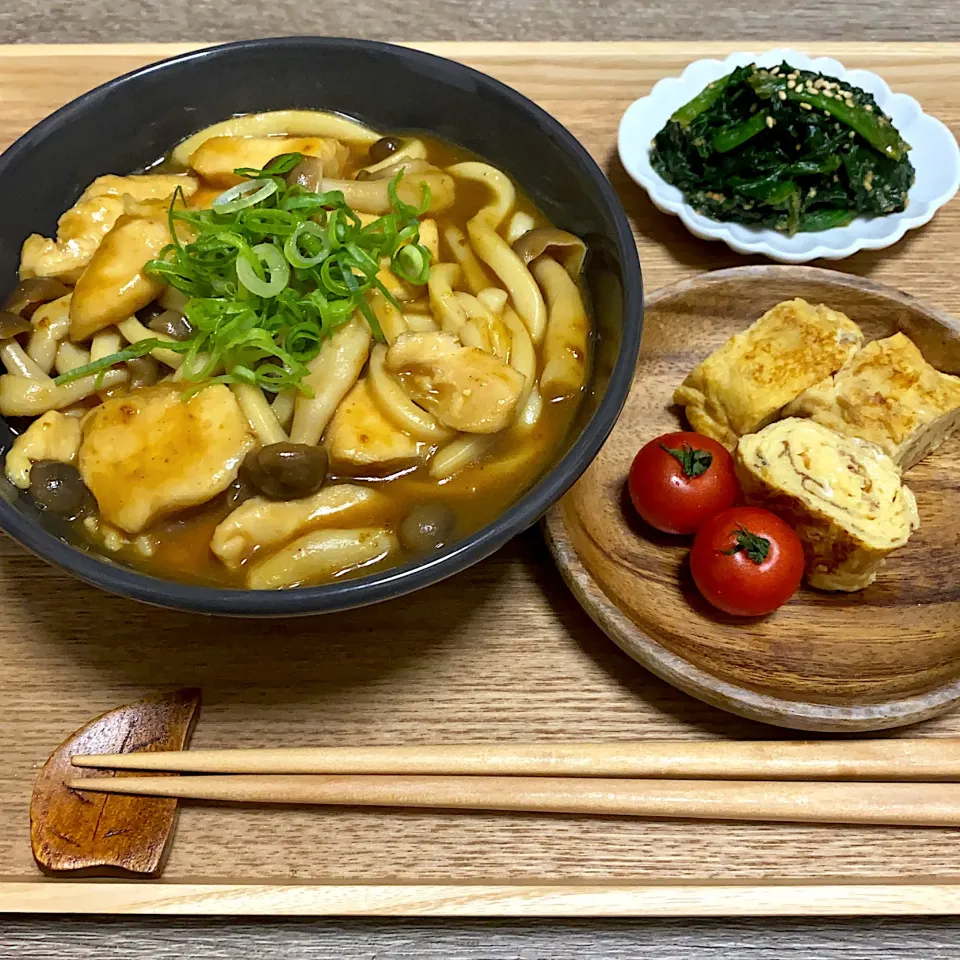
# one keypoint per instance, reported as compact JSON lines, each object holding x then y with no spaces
{"x":904,"y":760}
{"x":913,"y":804}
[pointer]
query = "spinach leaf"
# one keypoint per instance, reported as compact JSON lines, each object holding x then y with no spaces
{"x":786,"y":149}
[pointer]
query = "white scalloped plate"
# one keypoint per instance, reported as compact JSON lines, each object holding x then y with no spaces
{"x":934,"y":154}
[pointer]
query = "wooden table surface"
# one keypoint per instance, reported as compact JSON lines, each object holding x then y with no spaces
{"x":171,"y":20}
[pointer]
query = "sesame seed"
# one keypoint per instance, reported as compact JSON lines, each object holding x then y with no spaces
{"x":793,"y":76}
{"x":827,"y":93}
{"x":852,"y":134}
{"x":770,"y":121}
{"x":812,"y":192}
{"x":805,"y":106}
{"x":836,"y":179}
{"x":774,"y":71}
{"x":799,"y":146}
{"x":753,"y":108}
{"x":868,"y":108}
{"x":781,"y":95}
{"x":791,"y":84}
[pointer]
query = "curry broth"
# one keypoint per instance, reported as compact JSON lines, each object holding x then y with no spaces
{"x":477,"y":494}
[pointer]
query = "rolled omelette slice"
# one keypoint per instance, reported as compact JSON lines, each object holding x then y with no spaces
{"x":743,"y":385}
{"x":842,"y":495}
{"x":889,"y":394}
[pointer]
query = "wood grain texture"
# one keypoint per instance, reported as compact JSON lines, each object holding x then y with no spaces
{"x":502,"y":652}
{"x":872,"y":760}
{"x":170,"y":938}
{"x":91,"y":835}
{"x":898,"y":804}
{"x":882,"y":657}
{"x":94,"y":21}
{"x":611,"y":899}
{"x":225,"y":938}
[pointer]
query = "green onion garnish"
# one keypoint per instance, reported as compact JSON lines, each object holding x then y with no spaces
{"x":267,"y":259}
{"x":271,"y":270}
{"x":139,"y":349}
{"x":244,"y":195}
{"x":297,"y":243}
{"x":412,"y":263}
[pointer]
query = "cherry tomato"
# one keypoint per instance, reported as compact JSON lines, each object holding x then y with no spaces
{"x":680,"y":479}
{"x":746,"y":561}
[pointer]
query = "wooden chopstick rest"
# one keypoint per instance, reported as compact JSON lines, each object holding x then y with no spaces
{"x":902,"y":804}
{"x":72,"y":833}
{"x":891,"y":759}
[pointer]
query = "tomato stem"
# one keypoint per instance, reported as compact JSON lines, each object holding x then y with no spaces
{"x":693,"y":462}
{"x":752,"y":544}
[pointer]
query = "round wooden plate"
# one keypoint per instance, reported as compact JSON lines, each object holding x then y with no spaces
{"x":884,"y":657}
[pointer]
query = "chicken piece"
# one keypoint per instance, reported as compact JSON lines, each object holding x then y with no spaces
{"x":322,"y":555}
{"x":114,"y":287}
{"x":217,"y":158}
{"x":151,"y":453}
{"x":259,"y":523}
{"x":463,"y":387}
{"x":743,"y":385}
{"x":842,"y":495}
{"x":54,"y":436}
{"x":888,"y":394}
{"x":361,"y":440}
{"x":144,"y":186}
{"x":90,"y":219}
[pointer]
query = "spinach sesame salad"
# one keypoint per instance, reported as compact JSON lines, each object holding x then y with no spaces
{"x":787,"y":149}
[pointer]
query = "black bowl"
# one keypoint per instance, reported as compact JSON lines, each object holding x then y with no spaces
{"x":130,"y":122}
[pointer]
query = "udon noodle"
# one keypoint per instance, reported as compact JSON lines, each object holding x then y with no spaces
{"x":293,"y":351}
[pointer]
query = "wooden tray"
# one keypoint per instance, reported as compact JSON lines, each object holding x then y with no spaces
{"x":502,"y":652}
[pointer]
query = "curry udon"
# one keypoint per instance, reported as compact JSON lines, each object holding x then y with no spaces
{"x":293,"y":351}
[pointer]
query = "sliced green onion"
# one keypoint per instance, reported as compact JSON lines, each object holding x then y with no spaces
{"x":364,"y":262}
{"x":284,"y":163}
{"x":269,"y":222}
{"x":242,"y":374}
{"x":293,"y":252}
{"x":270,"y":272}
{"x":139,"y":349}
{"x":337,"y":230}
{"x":407,"y":234}
{"x":405,"y":209}
{"x":412,"y":263}
{"x":336,"y":283}
{"x":270,"y":260}
{"x":312,"y":201}
{"x":244,"y":195}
